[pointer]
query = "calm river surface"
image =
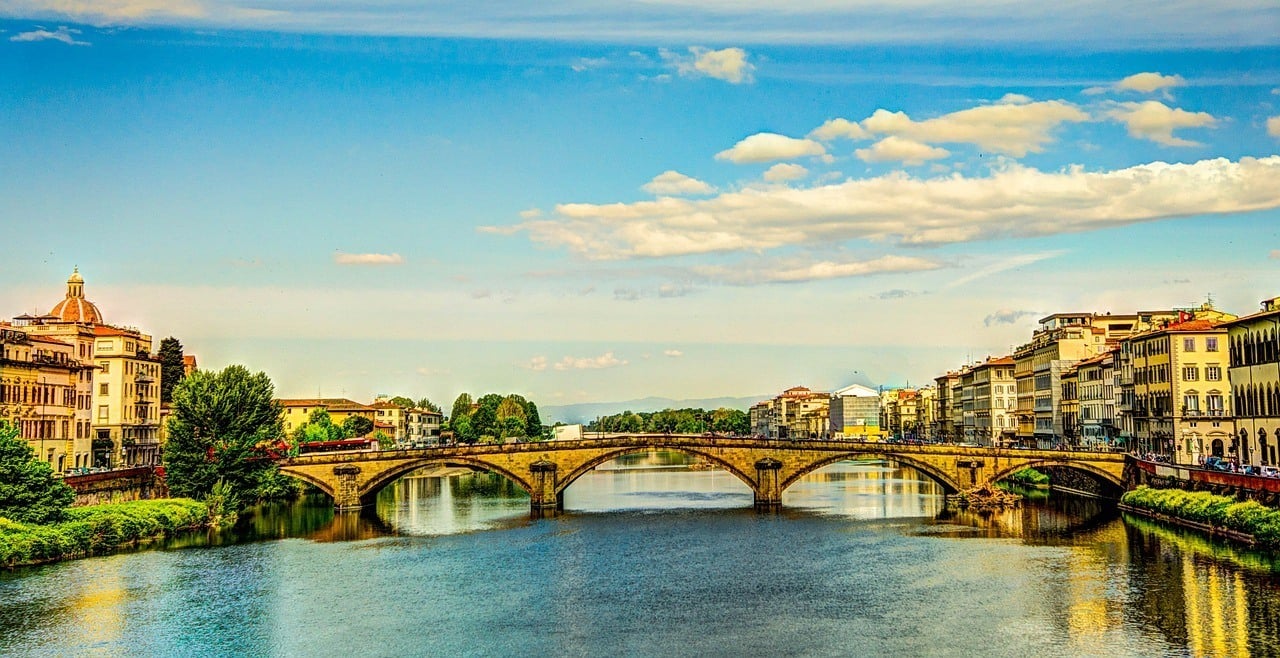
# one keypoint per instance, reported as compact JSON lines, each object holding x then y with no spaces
{"x":652,"y":558}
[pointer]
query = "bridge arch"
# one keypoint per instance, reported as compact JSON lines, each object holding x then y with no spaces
{"x":1097,"y":473}
{"x":572,"y":476}
{"x":370,"y":488}
{"x":948,"y":484}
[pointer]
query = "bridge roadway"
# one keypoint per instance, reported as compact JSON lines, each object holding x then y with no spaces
{"x":767,"y":466}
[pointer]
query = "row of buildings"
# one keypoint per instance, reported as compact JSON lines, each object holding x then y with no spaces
{"x":404,"y":424}
{"x":1185,"y":384}
{"x":86,"y":394}
{"x":83,"y":392}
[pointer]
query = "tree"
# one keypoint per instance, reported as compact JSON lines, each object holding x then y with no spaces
{"x":220,"y":425}
{"x":385,"y":441}
{"x":28,"y":491}
{"x":427,"y":404}
{"x":172,"y":370}
{"x":461,"y":407}
{"x":402,"y":402}
{"x":319,"y":427}
{"x":356,"y":426}
{"x":462,"y":430}
{"x":532,"y":423}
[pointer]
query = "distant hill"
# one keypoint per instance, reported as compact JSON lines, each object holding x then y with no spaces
{"x":588,"y":411}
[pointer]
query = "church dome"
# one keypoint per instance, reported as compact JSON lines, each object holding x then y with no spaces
{"x":75,"y":308}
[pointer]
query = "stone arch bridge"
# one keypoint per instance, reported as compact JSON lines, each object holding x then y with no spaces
{"x":768,"y":467}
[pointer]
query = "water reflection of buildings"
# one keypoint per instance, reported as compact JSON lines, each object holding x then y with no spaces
{"x":867,"y":490}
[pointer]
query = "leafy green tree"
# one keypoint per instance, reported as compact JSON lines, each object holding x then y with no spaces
{"x":172,"y":369}
{"x":319,"y":427}
{"x":356,"y":426}
{"x":532,"y":422}
{"x":511,"y":416}
{"x":28,"y":491}
{"x":427,"y":404}
{"x":461,"y":407}
{"x":462,"y":429}
{"x":385,"y":441}
{"x":220,"y":425}
{"x":402,"y":402}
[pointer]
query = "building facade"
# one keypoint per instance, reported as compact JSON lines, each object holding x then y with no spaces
{"x":854,"y":414}
{"x":40,"y":397}
{"x":1254,"y":372}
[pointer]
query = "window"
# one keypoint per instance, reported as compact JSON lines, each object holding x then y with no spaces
{"x":1190,"y":373}
{"x":105,"y":366}
{"x":1213,"y":373}
{"x":1189,"y":344}
{"x":1211,"y":344}
{"x":102,"y":388}
{"x":1213,"y":402}
{"x":102,"y":412}
{"x":1191,"y":404}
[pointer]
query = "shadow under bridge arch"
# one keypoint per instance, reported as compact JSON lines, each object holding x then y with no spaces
{"x":589,"y":465}
{"x":932,"y":471}
{"x":1108,"y":485}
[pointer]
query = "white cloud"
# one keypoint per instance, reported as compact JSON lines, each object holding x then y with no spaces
{"x":898,"y":149}
{"x":587,"y":63}
{"x":1149,"y":82}
{"x":800,"y":270}
{"x":1009,"y":128}
{"x":728,"y":64}
{"x":675,"y":183}
{"x":531,"y":213}
{"x":64,"y":34}
{"x":1156,"y":121}
{"x":1014,"y":99}
{"x":1014,"y":201}
{"x":675,"y":354}
{"x":606,"y":360}
{"x":367,"y":259}
{"x":1273,"y":126}
{"x":766,"y":147}
{"x":783,"y":171}
{"x":537,"y":363}
{"x":836,"y":128}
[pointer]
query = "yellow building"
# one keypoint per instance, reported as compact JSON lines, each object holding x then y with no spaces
{"x":121,"y":425}
{"x":296,"y":412}
{"x":798,"y":413}
{"x":1180,"y":391}
{"x":993,"y":400}
{"x":1254,"y":367}
{"x":38,"y":379}
{"x":126,"y":395}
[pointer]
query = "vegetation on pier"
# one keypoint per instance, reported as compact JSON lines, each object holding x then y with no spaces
{"x":1029,"y":477}
{"x":98,"y":529}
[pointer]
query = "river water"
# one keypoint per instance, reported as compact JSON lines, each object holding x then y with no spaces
{"x":652,"y":558}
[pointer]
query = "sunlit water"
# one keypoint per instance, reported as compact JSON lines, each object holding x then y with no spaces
{"x":651,"y":558}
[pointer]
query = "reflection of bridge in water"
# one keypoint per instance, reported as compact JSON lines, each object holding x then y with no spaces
{"x":767,"y":467}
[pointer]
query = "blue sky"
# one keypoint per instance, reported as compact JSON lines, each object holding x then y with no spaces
{"x":670,"y":198}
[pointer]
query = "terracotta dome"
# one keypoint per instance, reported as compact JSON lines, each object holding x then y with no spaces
{"x":75,"y":308}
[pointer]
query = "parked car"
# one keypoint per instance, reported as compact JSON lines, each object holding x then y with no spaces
{"x":1217,"y":464}
{"x":1270,"y":472}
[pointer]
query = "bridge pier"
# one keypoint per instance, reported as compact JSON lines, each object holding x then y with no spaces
{"x":544,"y":502}
{"x":346,"y":492}
{"x":768,"y":484}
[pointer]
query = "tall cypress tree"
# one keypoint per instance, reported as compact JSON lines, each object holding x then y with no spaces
{"x":172,"y":369}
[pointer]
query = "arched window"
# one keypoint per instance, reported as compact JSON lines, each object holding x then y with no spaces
{"x":1262,"y":444}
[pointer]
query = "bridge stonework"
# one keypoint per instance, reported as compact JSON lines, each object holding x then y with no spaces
{"x":767,"y":467}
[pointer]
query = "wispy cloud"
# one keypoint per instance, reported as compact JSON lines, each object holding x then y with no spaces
{"x":675,"y":354}
{"x":1009,"y":128}
{"x":1013,"y":201}
{"x":1144,"y":83}
{"x":899,"y":149}
{"x":728,"y":64}
{"x":1004,"y":264}
{"x":63,"y":34}
{"x":367,"y":259}
{"x":803,"y":269}
{"x":1007,"y":316}
{"x":896,"y":293}
{"x":1273,"y":126}
{"x":587,"y":63}
{"x":606,"y":360}
{"x":785,"y":171}
{"x":537,"y":363}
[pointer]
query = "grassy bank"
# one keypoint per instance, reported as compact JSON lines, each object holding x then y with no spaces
{"x":1029,"y":477}
{"x":98,"y":529}
{"x":1219,"y":511}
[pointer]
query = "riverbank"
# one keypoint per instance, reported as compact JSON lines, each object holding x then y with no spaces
{"x":99,"y":529}
{"x":1247,"y":522}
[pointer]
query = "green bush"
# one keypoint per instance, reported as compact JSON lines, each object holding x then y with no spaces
{"x":1203,"y":507}
{"x":1029,"y":476}
{"x":98,"y":529}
